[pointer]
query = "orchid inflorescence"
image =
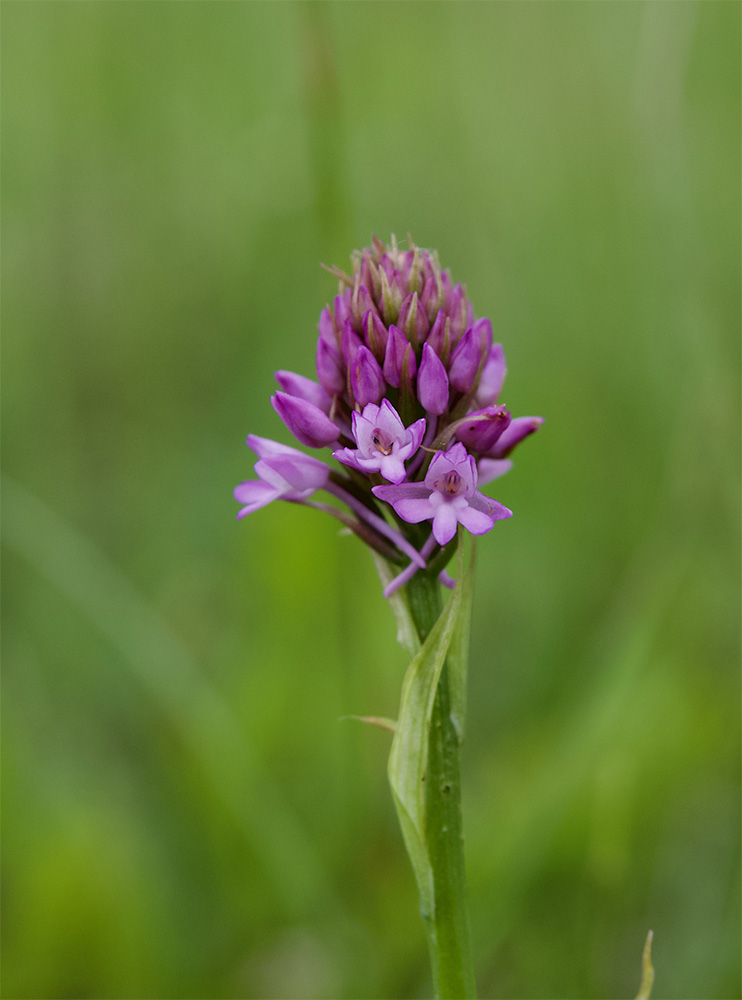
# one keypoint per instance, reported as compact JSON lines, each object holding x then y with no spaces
{"x":406,"y":397}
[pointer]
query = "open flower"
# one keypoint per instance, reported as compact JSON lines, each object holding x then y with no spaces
{"x":284,"y":474}
{"x":448,"y":497}
{"x":384,"y":443}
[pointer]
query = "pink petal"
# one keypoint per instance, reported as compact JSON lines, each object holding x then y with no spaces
{"x":392,"y":468}
{"x":492,"y":508}
{"x":444,"y":523}
{"x":413,"y":510}
{"x":389,"y":421}
{"x":254,"y":494}
{"x":405,"y":491}
{"x":492,"y":468}
{"x":476,"y":521}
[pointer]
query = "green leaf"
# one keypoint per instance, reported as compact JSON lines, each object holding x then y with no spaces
{"x":645,"y":989}
{"x":380,"y":721}
{"x":408,"y":757}
{"x":406,"y":632}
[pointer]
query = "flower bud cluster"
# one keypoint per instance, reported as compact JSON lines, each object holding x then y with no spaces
{"x":408,"y":382}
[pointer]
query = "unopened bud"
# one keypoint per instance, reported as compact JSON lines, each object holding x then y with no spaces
{"x":307,"y":422}
{"x":375,"y":334}
{"x":413,"y":321}
{"x":366,"y":377}
{"x":394,"y":356}
{"x":304,"y":388}
{"x":483,"y":428}
{"x":465,"y":362}
{"x":330,"y":368}
{"x":432,"y":382}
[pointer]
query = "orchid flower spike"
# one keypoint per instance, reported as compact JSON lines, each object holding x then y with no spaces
{"x":403,"y":367}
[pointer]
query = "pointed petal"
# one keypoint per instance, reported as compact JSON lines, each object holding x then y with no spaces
{"x":253,"y":491}
{"x":476,"y":521}
{"x":492,"y":468}
{"x":306,"y":421}
{"x":390,"y":494}
{"x":519,"y":429}
{"x":417,"y":433}
{"x":348,"y":456}
{"x":264,"y":447}
{"x":304,"y":388}
{"x":492,"y":508}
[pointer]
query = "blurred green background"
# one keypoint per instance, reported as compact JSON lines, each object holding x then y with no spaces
{"x":186,"y":814}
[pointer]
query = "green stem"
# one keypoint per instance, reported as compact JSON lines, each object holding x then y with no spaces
{"x":447,"y":926}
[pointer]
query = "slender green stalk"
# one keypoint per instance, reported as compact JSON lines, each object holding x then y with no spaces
{"x":447,"y":922}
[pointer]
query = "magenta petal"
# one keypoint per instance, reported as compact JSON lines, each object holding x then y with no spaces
{"x":415,"y":510}
{"x":465,"y":362}
{"x":405,"y":491}
{"x":253,"y":491}
{"x":330,"y":368}
{"x":432,"y":382}
{"x":396,"y":347}
{"x":304,"y":388}
{"x":483,"y":428}
{"x":476,"y":521}
{"x":348,"y":456}
{"x":306,"y":421}
{"x":301,"y":472}
{"x":366,"y":378}
{"x":519,"y":429}
{"x":417,"y":433}
{"x":392,"y":468}
{"x":444,"y":523}
{"x":264,"y":447}
{"x":492,"y":508}
{"x":492,"y":468}
{"x":493,"y":376}
{"x":255,"y":494}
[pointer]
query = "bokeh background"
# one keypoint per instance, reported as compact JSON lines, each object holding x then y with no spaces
{"x":186,"y":813}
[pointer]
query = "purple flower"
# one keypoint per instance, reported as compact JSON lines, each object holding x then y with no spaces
{"x":384,"y":444}
{"x":448,"y":497}
{"x":284,"y":474}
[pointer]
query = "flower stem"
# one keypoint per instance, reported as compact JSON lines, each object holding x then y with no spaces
{"x":447,"y":925}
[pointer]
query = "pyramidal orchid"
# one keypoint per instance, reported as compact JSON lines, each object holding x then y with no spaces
{"x":407,"y":400}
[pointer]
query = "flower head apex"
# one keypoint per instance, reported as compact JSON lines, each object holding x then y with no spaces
{"x":283,"y":474}
{"x":384,"y":443}
{"x":448,"y":497}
